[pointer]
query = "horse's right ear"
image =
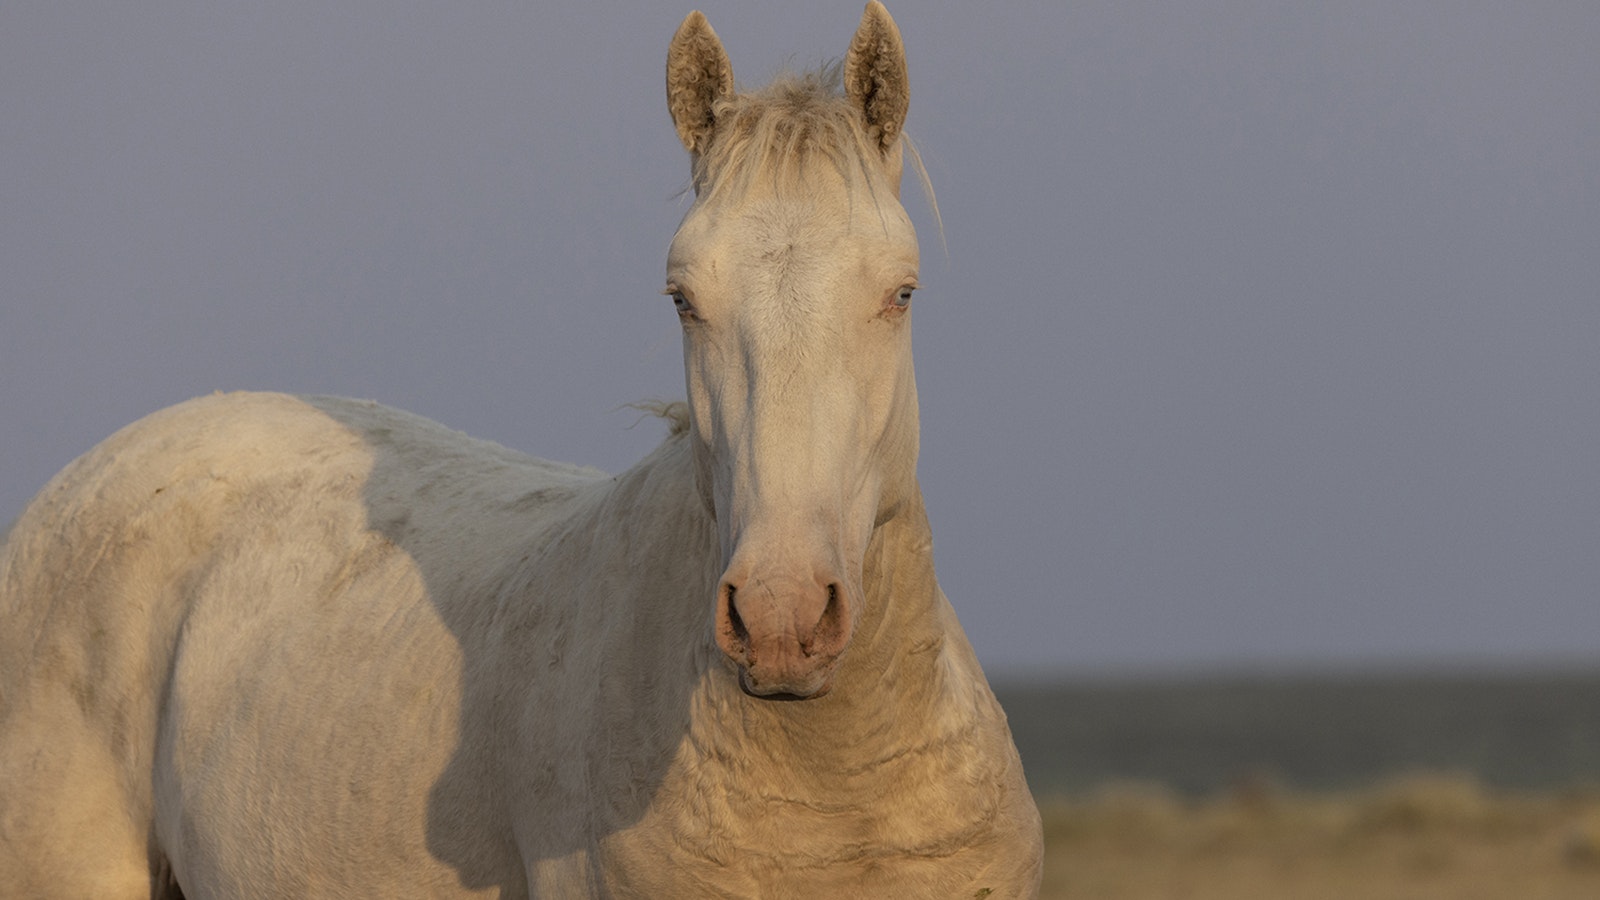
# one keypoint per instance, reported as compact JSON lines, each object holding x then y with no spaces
{"x":698,"y":75}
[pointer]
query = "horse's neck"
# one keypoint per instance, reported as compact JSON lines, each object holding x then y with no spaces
{"x":908,"y":732}
{"x":907,"y":680}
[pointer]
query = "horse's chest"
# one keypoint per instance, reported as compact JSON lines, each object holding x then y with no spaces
{"x":738,"y":843}
{"x":771,"y":873}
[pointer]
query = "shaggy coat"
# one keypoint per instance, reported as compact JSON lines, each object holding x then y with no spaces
{"x":260,"y":646}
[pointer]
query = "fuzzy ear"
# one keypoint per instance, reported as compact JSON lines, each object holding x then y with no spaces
{"x":698,"y":75}
{"x":875,"y":75}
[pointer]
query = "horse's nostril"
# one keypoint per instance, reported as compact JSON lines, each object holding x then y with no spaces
{"x":733,"y":634}
{"x":829,"y":628}
{"x":735,"y":623}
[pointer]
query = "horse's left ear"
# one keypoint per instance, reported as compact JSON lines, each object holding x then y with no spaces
{"x":875,"y":75}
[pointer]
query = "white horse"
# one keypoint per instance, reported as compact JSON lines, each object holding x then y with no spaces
{"x":265,"y":646}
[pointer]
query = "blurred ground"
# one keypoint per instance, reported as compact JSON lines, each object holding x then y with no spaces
{"x":1414,"y":838}
{"x":1523,"y":730}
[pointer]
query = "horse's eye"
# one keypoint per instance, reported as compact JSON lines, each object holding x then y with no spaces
{"x":903,"y":299}
{"x":679,"y":300}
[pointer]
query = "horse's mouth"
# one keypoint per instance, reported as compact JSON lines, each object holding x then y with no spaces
{"x":780,"y":696}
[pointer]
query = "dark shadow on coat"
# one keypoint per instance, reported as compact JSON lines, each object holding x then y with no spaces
{"x":574,"y":704}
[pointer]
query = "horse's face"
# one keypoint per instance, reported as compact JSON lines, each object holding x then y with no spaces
{"x":797,"y":353}
{"x":794,"y":294}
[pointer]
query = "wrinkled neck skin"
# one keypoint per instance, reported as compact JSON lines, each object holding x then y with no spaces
{"x":803,"y":408}
{"x":906,"y":755}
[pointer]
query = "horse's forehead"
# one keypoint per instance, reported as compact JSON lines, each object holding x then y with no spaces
{"x":798,"y":229}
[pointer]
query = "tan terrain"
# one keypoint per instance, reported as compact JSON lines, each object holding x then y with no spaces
{"x":1421,"y":838}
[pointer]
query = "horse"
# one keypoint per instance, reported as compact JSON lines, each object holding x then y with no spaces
{"x":259,"y":645}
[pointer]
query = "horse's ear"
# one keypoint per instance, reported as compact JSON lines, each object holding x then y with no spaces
{"x":875,"y":75}
{"x":698,"y":75}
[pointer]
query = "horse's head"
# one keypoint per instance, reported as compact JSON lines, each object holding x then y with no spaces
{"x":792,"y":274}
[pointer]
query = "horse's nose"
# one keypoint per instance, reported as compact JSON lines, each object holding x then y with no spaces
{"x":785,"y":633}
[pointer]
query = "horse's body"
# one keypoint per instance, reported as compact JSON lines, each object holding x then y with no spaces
{"x":264,"y":646}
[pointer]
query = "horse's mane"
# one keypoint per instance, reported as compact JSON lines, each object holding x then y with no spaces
{"x":674,"y":412}
{"x":778,"y":130}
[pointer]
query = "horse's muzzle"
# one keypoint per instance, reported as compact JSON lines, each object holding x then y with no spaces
{"x":786,"y":635}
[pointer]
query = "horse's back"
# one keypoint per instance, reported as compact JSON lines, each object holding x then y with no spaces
{"x":209,"y":595}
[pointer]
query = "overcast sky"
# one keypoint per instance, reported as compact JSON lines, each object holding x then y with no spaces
{"x":1267,"y":333}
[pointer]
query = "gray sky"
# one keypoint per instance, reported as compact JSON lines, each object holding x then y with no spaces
{"x":1267,"y":333}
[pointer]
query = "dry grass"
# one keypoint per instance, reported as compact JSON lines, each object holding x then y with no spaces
{"x":1418,"y":838}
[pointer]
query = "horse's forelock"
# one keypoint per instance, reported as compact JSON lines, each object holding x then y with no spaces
{"x":776,"y":132}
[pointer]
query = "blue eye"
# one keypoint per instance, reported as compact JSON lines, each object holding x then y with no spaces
{"x":903,"y":299}
{"x":680,"y":301}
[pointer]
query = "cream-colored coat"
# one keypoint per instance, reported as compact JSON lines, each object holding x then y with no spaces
{"x":264,"y":646}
